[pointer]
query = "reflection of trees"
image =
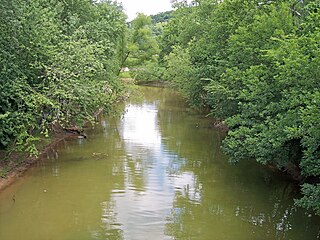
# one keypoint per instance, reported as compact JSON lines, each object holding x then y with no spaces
{"x":136,"y":170}
{"x":109,"y":228}
{"x":85,"y":195}
{"x":224,"y":212}
{"x":232,"y":202}
{"x":113,"y":144}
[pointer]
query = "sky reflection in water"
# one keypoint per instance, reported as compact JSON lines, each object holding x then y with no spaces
{"x":145,"y":203}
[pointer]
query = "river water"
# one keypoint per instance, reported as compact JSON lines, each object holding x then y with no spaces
{"x":156,"y":172}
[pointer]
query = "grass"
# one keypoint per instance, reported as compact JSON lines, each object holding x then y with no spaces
{"x":125,"y":75}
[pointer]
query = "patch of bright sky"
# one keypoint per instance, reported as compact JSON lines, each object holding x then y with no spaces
{"x":148,"y":7}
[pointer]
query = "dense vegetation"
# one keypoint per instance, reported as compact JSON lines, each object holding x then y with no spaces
{"x":256,"y":65}
{"x":59,"y":64}
{"x":161,"y":17}
{"x":143,"y":47}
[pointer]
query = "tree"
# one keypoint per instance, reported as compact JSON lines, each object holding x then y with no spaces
{"x":56,"y":68}
{"x":143,"y":47}
{"x":255,"y":65}
{"x":161,"y":17}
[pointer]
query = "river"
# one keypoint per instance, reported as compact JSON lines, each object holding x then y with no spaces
{"x":155,"y":172}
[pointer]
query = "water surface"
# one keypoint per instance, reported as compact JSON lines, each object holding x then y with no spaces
{"x":157,"y":172}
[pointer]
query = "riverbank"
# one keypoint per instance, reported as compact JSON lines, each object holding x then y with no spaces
{"x":18,"y":163}
{"x":155,"y":83}
{"x":12,"y":167}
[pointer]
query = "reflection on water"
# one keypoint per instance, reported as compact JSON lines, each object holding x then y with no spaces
{"x":157,"y":172}
{"x":139,"y":126}
{"x":145,"y":201}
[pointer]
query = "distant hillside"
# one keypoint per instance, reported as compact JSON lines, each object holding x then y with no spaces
{"x":161,"y":17}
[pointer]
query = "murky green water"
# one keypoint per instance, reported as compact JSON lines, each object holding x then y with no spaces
{"x":155,"y":173}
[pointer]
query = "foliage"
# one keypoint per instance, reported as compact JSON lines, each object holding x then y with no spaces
{"x":142,"y":46}
{"x":144,"y":49}
{"x":151,"y":71}
{"x":59,"y":61}
{"x":180,"y":69}
{"x":256,"y":65}
{"x":311,"y":198}
{"x":161,"y":17}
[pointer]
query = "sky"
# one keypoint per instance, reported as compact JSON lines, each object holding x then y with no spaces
{"x":148,"y":7}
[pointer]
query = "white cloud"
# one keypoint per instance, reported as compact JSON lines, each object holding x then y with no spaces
{"x":148,"y":7}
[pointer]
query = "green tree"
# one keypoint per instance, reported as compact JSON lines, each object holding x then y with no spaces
{"x":143,"y":46}
{"x":143,"y":49}
{"x":256,"y":65}
{"x":59,"y":64}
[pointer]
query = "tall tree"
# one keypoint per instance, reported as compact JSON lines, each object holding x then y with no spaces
{"x":143,"y":46}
